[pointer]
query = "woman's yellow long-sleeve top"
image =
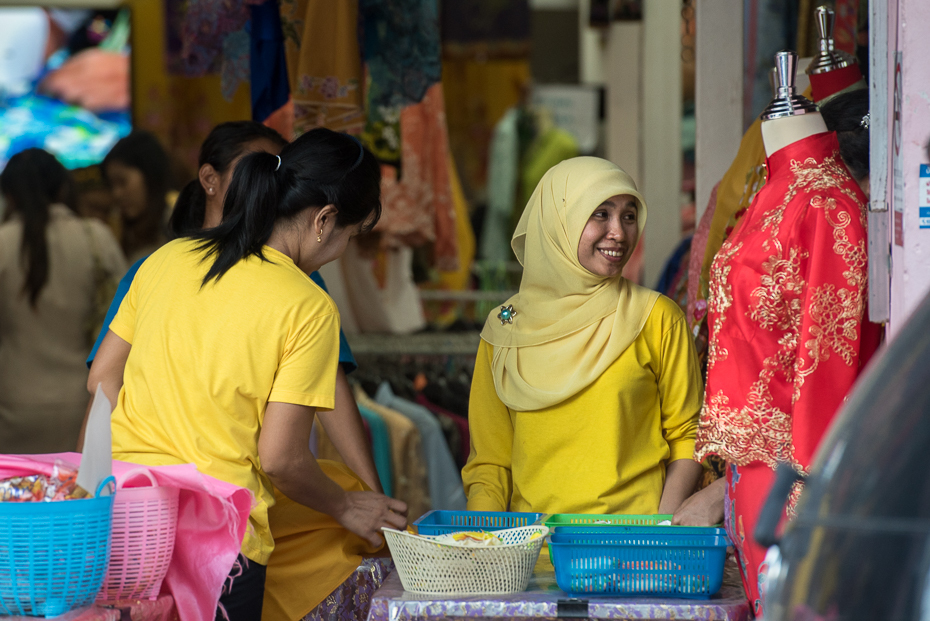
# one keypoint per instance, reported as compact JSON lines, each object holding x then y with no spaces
{"x":604,"y":450}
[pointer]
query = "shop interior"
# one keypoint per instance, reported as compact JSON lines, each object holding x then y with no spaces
{"x":464,"y":118}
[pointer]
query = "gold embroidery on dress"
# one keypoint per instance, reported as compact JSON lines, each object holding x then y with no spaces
{"x":811,"y":176}
{"x":759,"y":431}
{"x":835,"y":311}
{"x":720,"y":299}
{"x":772,"y":307}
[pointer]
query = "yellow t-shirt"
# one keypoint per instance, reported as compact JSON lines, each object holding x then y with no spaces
{"x":206,"y":361}
{"x":603,"y":450}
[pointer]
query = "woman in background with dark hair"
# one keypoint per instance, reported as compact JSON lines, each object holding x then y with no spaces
{"x":49,"y":262}
{"x":138,"y":171}
{"x":224,"y":349}
{"x":200,"y":204}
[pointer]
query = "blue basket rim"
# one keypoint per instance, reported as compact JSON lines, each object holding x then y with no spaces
{"x":639,"y":529}
{"x":711,"y":541}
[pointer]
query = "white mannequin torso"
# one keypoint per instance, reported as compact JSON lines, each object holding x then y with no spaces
{"x":779,"y":133}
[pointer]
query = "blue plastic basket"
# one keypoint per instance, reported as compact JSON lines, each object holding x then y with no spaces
{"x":53,"y":555}
{"x":685,"y":562}
{"x":442,"y":522}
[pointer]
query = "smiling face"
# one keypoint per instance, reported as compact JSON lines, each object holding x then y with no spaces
{"x":609,"y":237}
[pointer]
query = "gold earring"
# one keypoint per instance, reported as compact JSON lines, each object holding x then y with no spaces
{"x":319,"y":237}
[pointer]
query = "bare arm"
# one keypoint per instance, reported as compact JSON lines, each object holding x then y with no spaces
{"x":344,"y":427}
{"x":107,"y":370}
{"x":704,"y":508}
{"x":284,"y":451}
{"x":681,"y":477}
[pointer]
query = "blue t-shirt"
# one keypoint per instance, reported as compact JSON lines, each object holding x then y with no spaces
{"x":346,"y":359}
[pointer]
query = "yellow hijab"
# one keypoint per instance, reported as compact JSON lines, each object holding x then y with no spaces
{"x":569,"y":324}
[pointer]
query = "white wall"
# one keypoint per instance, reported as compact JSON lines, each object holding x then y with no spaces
{"x":719,"y":94}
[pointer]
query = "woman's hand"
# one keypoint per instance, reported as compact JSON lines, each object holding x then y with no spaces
{"x":704,"y":508}
{"x":365,"y":513}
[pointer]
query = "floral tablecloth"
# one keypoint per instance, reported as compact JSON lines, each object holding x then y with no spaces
{"x":351,"y":600}
{"x":541,"y":601}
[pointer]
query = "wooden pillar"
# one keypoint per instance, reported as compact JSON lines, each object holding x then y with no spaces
{"x":719,"y":94}
{"x":660,"y":181}
{"x":624,"y":97}
{"x":881,"y":93}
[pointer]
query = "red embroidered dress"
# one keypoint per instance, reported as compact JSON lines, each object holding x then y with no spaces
{"x":788,"y":328}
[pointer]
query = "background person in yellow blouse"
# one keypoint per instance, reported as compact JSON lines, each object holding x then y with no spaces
{"x":224,"y":348}
{"x":585,"y":397}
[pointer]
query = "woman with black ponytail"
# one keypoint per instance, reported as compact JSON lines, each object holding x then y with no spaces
{"x":50,"y":260}
{"x":224,"y":348}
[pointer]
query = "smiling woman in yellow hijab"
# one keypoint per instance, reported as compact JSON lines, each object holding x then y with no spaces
{"x":586,"y":390}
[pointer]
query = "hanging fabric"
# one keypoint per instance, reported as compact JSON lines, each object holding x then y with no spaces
{"x":324,"y":64}
{"x":270,"y":89}
{"x":180,"y":110}
{"x":445,"y":482}
{"x":418,"y":208}
{"x":410,"y":479}
{"x":401,"y":49}
{"x":503,"y":184}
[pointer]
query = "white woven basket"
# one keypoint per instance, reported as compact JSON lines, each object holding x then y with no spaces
{"x":432,"y":568}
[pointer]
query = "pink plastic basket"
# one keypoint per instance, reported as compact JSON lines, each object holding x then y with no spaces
{"x":145,"y":521}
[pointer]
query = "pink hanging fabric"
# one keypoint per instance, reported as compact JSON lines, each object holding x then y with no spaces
{"x":212,"y":519}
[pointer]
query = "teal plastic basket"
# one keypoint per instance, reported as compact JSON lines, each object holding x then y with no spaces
{"x":684,"y":562}
{"x":53,"y":555}
{"x":443,"y":522}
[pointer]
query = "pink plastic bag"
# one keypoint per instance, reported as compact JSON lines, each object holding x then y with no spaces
{"x":212,"y":520}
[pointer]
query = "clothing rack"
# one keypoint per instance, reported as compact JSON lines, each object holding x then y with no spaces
{"x":415,"y":410}
{"x":420,"y":344}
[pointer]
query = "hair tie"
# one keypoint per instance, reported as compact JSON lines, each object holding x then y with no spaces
{"x":361,"y":153}
{"x":279,"y":163}
{"x":866,"y":120}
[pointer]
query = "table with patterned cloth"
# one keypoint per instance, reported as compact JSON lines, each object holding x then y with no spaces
{"x":542,"y":599}
{"x":161,"y":609}
{"x":352,"y":599}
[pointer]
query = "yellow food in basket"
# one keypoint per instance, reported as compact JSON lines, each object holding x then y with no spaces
{"x":476,"y":539}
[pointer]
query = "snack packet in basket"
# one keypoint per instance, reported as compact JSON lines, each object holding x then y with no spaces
{"x":60,"y":485}
{"x":471,"y":539}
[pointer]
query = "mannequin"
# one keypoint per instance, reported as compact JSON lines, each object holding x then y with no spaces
{"x":789,"y":118}
{"x":779,"y":133}
{"x":832,"y":71}
{"x":788,"y":333}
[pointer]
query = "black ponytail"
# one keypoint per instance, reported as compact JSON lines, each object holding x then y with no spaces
{"x":32,"y":180}
{"x":225,"y":143}
{"x":320,"y":168}
{"x":844,"y":115}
